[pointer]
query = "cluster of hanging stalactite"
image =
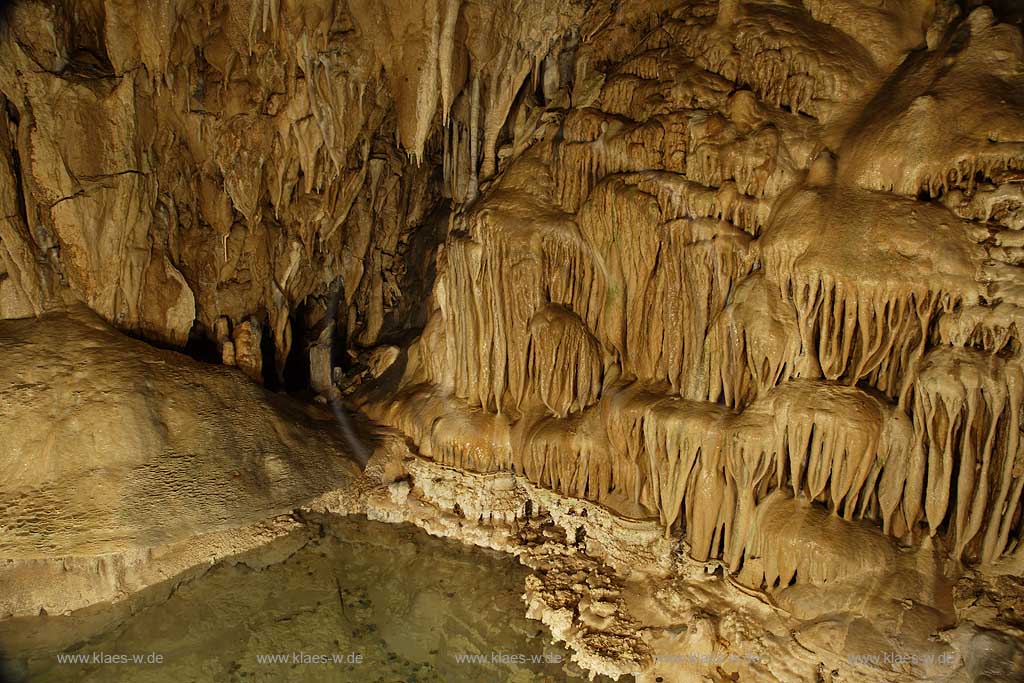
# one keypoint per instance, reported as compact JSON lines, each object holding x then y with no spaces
{"x":687,"y":301}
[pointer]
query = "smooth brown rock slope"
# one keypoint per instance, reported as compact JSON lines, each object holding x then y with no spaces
{"x":123,"y":465}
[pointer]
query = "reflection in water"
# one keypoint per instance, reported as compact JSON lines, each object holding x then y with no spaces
{"x":363,"y":601}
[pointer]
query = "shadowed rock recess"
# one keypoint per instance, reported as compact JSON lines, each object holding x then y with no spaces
{"x":709,"y":312}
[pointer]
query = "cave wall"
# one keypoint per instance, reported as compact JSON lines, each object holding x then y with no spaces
{"x":700,"y":257}
{"x":764,"y":252}
{"x":219,"y":168}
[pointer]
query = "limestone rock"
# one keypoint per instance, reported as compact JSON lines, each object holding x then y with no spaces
{"x":248,"y":354}
{"x":731,"y":215}
{"x":113,"y":447}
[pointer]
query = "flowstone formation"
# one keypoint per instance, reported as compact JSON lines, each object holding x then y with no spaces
{"x":214,"y":171}
{"x":125,"y":466}
{"x":695,"y":288}
{"x":757,"y":277}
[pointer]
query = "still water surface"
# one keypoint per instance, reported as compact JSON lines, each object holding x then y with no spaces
{"x":361,"y":601}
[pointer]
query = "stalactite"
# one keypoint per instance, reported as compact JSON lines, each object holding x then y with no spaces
{"x":662,"y":80}
{"x":822,"y":441}
{"x":695,"y":460}
{"x":964,"y":471}
{"x":709,"y":150}
{"x":719,"y":152}
{"x":619,"y":147}
{"x":683,"y":441}
{"x":446,"y":56}
{"x":752,"y":346}
{"x":474,"y":139}
{"x":1001,"y":204}
{"x":448,"y":429}
{"x":564,"y":455}
{"x":865,"y":302}
{"x":996,"y":329}
{"x":684,"y":305}
{"x":750,"y":460}
{"x":572,"y":274}
{"x":768,"y":48}
{"x":522,"y":254}
{"x":680,"y":197}
{"x":790,"y":541}
{"x":699,"y":263}
{"x":837,"y":439}
{"x":623,"y":414}
{"x":819,"y":440}
{"x":626,"y":259}
{"x":465,"y":346}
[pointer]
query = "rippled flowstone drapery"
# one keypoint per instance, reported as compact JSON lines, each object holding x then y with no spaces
{"x":713,"y":221}
{"x":756,"y":278}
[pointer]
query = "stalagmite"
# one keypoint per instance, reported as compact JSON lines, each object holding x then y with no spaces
{"x":248,"y":336}
{"x":320,"y":362}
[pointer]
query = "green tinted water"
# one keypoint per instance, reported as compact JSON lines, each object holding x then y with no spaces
{"x":361,"y":601}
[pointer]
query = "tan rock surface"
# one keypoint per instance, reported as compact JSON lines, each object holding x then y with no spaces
{"x":113,"y":448}
{"x":690,"y":233}
{"x":759,"y":281}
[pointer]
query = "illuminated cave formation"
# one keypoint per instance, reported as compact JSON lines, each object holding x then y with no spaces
{"x":730,"y":293}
